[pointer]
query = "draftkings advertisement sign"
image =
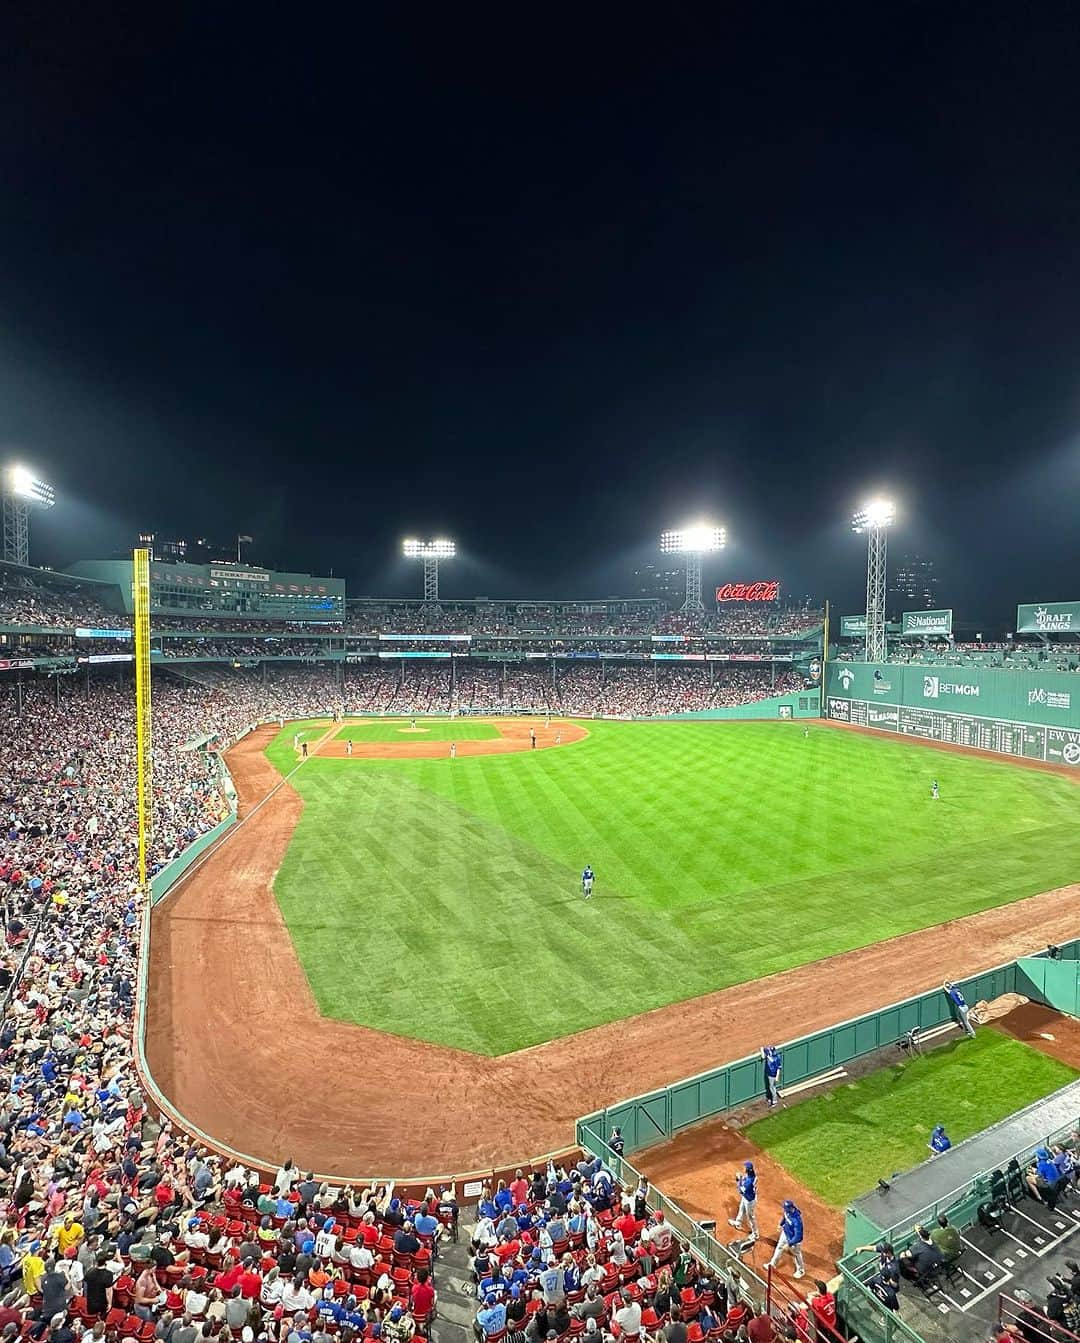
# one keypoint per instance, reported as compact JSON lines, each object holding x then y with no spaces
{"x":1048,"y":618}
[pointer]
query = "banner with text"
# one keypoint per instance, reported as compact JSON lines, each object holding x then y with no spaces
{"x":1031,"y":714}
{"x":852,"y":627}
{"x":926,"y":622}
{"x":1048,"y":618}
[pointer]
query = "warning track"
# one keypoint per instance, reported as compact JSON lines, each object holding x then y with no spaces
{"x":235,"y":1041}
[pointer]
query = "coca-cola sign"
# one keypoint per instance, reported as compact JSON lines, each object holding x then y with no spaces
{"x":767,"y":591}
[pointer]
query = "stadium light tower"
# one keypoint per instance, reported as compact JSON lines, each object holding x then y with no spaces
{"x":431,"y":552}
{"x":693,"y":542}
{"x":21,"y":491}
{"x":875,"y":518}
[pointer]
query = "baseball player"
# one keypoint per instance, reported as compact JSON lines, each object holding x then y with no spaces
{"x":586,"y":881}
{"x":558,"y":738}
{"x":790,"y":1238}
{"x":934,"y":789}
{"x":532,"y":737}
{"x":774,"y":1065}
{"x":303,"y":749}
{"x":348,"y":747}
{"x":960,"y":1003}
{"x":453,"y":750}
{"x":806,"y":731}
{"x":746,"y":1183}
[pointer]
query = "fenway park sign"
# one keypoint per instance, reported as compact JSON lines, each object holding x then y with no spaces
{"x":749,"y":592}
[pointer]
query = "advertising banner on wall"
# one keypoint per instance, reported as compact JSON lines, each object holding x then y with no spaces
{"x":1048,"y":618}
{"x":926,"y":622}
{"x":1030,"y":714}
{"x":852,"y":627}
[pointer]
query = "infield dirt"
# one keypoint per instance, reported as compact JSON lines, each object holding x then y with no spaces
{"x":235,"y":1041}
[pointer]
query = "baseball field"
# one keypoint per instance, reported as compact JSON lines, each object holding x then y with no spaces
{"x":440,"y":898}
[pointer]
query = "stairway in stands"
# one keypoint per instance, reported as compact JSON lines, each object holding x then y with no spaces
{"x":457,"y":1294}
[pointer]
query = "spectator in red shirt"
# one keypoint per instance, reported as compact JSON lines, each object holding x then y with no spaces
{"x":250,"y":1281}
{"x":626,"y":1224}
{"x":423,"y":1294}
{"x":760,"y":1330}
{"x":519,"y":1189}
{"x":823,"y":1304}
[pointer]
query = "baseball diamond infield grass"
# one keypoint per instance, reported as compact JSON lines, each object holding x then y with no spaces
{"x":441,"y":898}
{"x":427,"y":729}
{"x":840,"y":1144}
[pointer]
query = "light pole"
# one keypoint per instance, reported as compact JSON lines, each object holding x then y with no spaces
{"x":693,"y":542}
{"x":875,"y":518}
{"x":22,"y":491}
{"x":431,"y":552}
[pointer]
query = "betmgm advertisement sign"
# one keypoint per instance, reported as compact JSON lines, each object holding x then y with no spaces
{"x":949,"y":688}
{"x":926,"y":623}
{"x":1048,"y":618}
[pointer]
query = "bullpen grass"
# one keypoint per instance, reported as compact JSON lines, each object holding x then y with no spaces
{"x":840,"y":1144}
{"x":441,"y":898}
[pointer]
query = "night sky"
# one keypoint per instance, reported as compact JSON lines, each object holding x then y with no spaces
{"x":548,"y":280}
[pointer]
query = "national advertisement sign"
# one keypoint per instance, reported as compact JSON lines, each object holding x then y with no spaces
{"x":926,"y":622}
{"x":1048,"y":618}
{"x":852,"y":627}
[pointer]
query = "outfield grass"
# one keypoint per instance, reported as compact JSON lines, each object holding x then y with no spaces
{"x":722,"y":851}
{"x":433,"y":729}
{"x":840,"y":1144}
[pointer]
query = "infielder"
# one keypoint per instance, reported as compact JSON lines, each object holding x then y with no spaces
{"x":348,"y":747}
{"x":453,"y":750}
{"x":586,"y":881}
{"x":747,"y":1187}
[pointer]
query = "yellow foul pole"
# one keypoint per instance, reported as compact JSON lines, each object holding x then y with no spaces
{"x":143,"y":745}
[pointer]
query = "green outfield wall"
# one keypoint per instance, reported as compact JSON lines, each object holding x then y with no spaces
{"x":1033,"y":714}
{"x":801,"y":704}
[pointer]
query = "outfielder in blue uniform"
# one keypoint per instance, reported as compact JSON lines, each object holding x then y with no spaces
{"x":773,"y":1067}
{"x":586,"y":882}
{"x":746,"y":1183}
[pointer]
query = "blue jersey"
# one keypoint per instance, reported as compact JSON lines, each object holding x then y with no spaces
{"x":587,"y":874}
{"x":747,"y":1185}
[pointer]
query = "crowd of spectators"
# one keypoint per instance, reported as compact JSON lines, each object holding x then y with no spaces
{"x":634,"y":691}
{"x":572,"y":1254}
{"x":23,"y":602}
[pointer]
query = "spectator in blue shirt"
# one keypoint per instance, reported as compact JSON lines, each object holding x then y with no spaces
{"x":490,"y":1318}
